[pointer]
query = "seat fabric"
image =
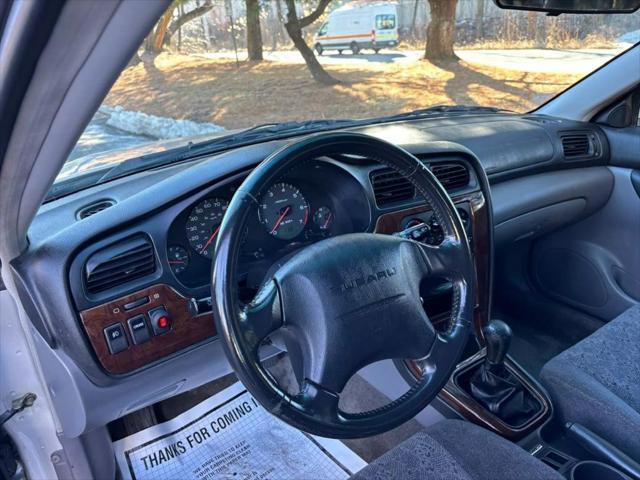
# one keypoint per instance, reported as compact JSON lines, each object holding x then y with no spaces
{"x":596,"y":383}
{"x":457,"y":450}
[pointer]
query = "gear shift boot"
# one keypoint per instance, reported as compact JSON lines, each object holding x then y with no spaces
{"x":494,"y":386}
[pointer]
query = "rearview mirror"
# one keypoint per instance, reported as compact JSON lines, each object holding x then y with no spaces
{"x":556,"y":7}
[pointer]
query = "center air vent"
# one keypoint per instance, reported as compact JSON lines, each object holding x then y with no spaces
{"x":119,"y":263}
{"x":451,"y":175}
{"x":391,"y":187}
{"x":578,"y":144}
{"x":94,"y":208}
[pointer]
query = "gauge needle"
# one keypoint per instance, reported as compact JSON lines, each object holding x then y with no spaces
{"x":213,"y":235}
{"x":284,"y":214}
{"x":326,"y":223}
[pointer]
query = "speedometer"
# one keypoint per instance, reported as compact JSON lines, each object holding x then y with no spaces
{"x":203,"y":224}
{"x":283,"y":211}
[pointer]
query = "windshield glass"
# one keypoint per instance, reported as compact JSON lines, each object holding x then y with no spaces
{"x":211,"y":68}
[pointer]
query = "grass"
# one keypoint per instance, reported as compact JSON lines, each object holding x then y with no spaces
{"x":215,"y":90}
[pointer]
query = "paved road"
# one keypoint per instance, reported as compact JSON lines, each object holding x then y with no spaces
{"x":528,"y":60}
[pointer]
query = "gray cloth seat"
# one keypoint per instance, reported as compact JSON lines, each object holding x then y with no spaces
{"x":457,"y":450}
{"x":596,"y":383}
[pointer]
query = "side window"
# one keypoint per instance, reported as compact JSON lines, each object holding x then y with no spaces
{"x":323,"y":29}
{"x":385,"y":22}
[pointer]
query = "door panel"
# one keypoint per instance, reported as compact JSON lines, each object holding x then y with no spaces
{"x":594,"y":265}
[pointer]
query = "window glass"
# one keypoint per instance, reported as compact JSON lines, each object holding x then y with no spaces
{"x":385,"y":22}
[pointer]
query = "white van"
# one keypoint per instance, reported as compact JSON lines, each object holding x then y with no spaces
{"x":357,"y":26}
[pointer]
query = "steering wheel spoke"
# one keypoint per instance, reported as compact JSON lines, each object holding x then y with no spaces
{"x":319,"y":402}
{"x":263,"y":315}
{"x":439,"y":353}
{"x":446,"y":260}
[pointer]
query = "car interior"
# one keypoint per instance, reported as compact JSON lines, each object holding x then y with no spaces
{"x":451,"y":295}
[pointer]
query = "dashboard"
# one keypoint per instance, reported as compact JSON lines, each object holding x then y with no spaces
{"x":131,"y":301}
{"x":143,"y":294}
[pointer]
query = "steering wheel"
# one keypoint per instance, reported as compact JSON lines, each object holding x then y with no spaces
{"x":346,"y":301}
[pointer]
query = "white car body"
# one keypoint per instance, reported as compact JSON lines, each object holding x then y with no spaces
{"x":356,"y":27}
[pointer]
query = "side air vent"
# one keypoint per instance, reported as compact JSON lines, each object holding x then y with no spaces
{"x":94,"y":208}
{"x":451,"y":175}
{"x":390,"y":187}
{"x":119,"y":263}
{"x":578,"y":144}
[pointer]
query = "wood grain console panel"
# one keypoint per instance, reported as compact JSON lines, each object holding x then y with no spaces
{"x":186,"y":329}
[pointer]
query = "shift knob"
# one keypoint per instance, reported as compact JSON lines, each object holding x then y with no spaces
{"x":497,"y":336}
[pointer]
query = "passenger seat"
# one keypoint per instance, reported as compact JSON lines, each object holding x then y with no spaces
{"x":596,"y":382}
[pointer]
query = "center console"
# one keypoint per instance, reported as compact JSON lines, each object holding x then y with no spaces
{"x":491,"y":389}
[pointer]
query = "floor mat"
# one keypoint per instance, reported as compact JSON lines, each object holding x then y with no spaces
{"x":229,"y":436}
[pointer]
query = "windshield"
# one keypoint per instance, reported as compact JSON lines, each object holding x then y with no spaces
{"x":212,"y":68}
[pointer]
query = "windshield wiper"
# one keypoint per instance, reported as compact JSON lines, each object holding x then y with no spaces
{"x":267,"y":130}
{"x":444,"y":110}
{"x":270,"y":130}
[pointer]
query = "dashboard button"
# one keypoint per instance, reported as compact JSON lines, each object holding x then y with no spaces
{"x":160,"y":320}
{"x":116,"y":338}
{"x":136,"y":303}
{"x":138,"y":329}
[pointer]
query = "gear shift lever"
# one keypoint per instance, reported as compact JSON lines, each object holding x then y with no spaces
{"x":494,"y":386}
{"x":497,"y":336}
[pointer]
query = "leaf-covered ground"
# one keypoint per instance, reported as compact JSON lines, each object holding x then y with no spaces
{"x":220,"y":92}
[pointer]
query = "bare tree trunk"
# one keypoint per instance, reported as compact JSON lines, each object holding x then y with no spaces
{"x":541,"y":32}
{"x":479,"y":20}
{"x":281,"y":20}
{"x":412,"y":30}
{"x":294,"y":28}
{"x":254,"y":35}
{"x":161,"y":29}
{"x":441,"y":30}
{"x":181,"y":11}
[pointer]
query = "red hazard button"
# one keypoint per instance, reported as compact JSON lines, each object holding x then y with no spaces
{"x":160,"y":320}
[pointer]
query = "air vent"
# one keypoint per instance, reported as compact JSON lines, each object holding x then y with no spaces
{"x":578,"y":144}
{"x":119,"y":263}
{"x":94,"y":208}
{"x":391,"y":187}
{"x":451,"y":175}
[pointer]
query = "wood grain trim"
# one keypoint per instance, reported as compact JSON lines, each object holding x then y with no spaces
{"x":465,"y":405}
{"x":459,"y":400}
{"x":186,"y":329}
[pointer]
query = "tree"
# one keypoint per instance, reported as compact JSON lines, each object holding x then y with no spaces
{"x":167,"y":26}
{"x":186,"y":17}
{"x":294,"y":26}
{"x":157,"y":37}
{"x":254,"y":35}
{"x":441,"y":30}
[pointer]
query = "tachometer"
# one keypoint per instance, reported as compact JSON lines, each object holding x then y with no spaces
{"x":283,"y":211}
{"x":203,"y":224}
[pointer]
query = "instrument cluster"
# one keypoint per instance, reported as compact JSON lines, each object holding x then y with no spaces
{"x":310,"y":204}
